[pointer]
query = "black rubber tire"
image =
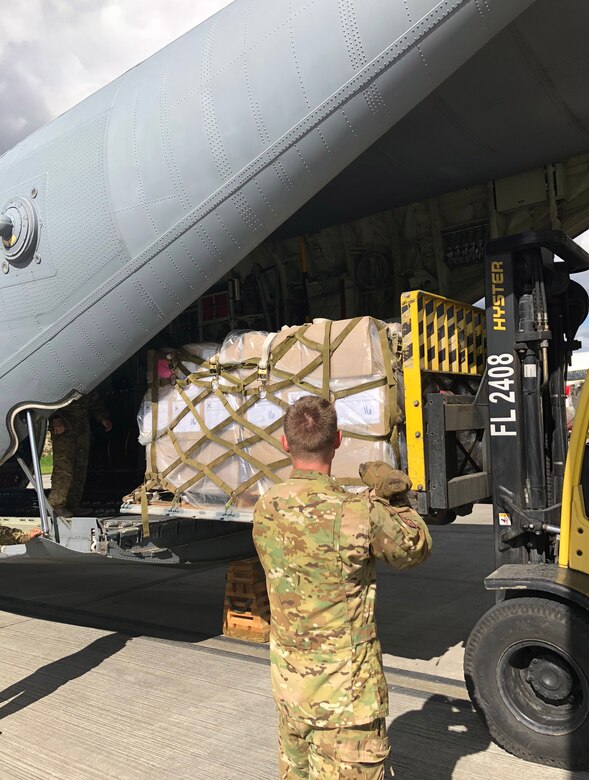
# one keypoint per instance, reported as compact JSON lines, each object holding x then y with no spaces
{"x":494,"y":668}
{"x":440,"y":517}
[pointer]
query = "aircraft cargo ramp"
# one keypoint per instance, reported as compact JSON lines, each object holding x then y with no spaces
{"x":126,"y":677}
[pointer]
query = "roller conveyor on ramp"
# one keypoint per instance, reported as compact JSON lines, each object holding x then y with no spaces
{"x":124,"y":675}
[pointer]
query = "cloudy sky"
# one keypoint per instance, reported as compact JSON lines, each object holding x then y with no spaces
{"x":583,"y":333}
{"x":53,"y":53}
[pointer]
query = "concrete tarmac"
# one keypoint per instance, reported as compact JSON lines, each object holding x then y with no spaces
{"x":121,"y":672}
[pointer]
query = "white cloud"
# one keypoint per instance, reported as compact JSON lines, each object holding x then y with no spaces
{"x":54,"y":53}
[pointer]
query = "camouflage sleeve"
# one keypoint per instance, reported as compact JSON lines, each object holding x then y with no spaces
{"x":12,"y":536}
{"x":398,"y":535}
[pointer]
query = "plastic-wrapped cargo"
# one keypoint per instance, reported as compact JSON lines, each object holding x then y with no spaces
{"x":264,"y":460}
{"x":352,"y":362}
{"x":190,"y":452}
{"x":213,"y":429}
{"x":243,"y":348}
{"x":195,"y":457}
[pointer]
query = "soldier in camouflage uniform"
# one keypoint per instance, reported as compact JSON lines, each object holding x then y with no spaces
{"x":14,"y":536}
{"x":318,"y":545}
{"x":70,"y":434}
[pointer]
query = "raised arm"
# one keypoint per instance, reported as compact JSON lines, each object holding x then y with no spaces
{"x":398,"y":535}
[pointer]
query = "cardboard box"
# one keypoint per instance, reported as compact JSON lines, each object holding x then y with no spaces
{"x":359,"y":354}
{"x":170,"y":404}
{"x":188,"y":432}
{"x":364,"y":411}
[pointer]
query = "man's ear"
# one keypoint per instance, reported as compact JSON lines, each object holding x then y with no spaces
{"x":338,"y":439}
{"x":284,"y":443}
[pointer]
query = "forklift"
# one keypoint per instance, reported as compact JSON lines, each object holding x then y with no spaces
{"x":486,"y":421}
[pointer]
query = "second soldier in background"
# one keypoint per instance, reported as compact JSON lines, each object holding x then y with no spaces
{"x":70,"y":433}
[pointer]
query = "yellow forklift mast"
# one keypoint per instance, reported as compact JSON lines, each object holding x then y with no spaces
{"x":574,"y":524}
{"x":485,"y":421}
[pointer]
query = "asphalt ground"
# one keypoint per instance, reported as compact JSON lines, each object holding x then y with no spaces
{"x":121,"y":671}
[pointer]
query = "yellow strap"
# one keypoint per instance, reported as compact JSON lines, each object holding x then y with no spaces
{"x":154,"y":408}
{"x":390,"y":356}
{"x":391,"y":379}
{"x":366,"y":436}
{"x":203,"y":469}
{"x":238,"y":447}
{"x":325,"y":350}
{"x":188,"y":453}
{"x":260,"y":433}
{"x":326,"y":360}
{"x":352,"y":481}
{"x":182,"y":356}
{"x":360,"y":388}
{"x":280,"y":351}
{"x":180,"y":416}
{"x":202,"y":439}
{"x":278,"y":464}
{"x":144,"y":513}
{"x":234,"y":447}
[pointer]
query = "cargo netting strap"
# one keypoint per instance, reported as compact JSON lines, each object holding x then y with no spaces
{"x":237,"y":389}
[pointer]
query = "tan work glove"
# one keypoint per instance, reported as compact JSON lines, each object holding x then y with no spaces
{"x":386,"y":481}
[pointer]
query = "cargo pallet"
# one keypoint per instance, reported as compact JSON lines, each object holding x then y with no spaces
{"x":169,"y":509}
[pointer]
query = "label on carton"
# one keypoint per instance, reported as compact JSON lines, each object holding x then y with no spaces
{"x":359,"y":409}
{"x":215,"y":412}
{"x":263,"y":413}
{"x":189,"y":423}
{"x":147,"y":416}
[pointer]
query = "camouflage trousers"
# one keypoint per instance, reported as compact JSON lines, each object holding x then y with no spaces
{"x":353,"y":753}
{"x":70,"y":464}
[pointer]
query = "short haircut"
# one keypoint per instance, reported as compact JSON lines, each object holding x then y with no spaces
{"x":310,"y":427}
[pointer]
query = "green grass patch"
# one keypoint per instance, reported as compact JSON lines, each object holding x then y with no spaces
{"x":46,"y":464}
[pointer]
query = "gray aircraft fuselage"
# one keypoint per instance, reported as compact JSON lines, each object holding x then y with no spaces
{"x":122,"y":211}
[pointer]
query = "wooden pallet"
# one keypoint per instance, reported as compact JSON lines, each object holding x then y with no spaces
{"x":247,"y":610}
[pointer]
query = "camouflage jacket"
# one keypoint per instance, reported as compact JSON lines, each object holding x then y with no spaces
{"x":77,"y":414}
{"x":318,"y":545}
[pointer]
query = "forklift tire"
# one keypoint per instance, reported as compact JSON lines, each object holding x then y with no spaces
{"x":440,"y":517}
{"x":526,"y":667}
